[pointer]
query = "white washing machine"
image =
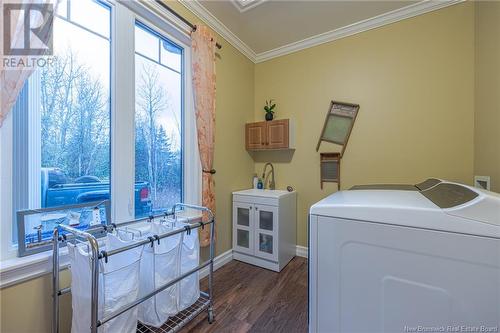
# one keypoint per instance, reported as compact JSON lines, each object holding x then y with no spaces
{"x":401,"y":258}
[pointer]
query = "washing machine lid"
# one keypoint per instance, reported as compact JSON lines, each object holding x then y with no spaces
{"x":402,"y":187}
{"x":425,"y":185}
{"x":443,"y":206}
{"x":466,"y":202}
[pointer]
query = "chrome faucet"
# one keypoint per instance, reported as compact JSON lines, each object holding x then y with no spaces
{"x":272,"y":185}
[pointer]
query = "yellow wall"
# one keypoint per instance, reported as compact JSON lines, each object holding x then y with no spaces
{"x":487,"y":116}
{"x":414,"y":81}
{"x":26,"y":307}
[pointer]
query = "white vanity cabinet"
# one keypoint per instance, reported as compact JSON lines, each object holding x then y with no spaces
{"x":264,"y":227}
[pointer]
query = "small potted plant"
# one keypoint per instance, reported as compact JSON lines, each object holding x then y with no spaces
{"x":269,"y":108}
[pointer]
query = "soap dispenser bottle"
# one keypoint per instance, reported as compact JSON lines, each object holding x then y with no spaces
{"x":255,"y":180}
{"x":260,"y":184}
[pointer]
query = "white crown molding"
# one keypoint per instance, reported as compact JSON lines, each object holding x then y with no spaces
{"x":358,"y":27}
{"x":352,"y":29}
{"x":243,"y":5}
{"x":196,"y":8}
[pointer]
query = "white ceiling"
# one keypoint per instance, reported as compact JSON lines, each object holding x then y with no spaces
{"x":264,"y":29}
{"x":276,"y":23}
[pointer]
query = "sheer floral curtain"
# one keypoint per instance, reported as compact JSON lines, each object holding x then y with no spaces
{"x":12,"y":79}
{"x":203,"y":62}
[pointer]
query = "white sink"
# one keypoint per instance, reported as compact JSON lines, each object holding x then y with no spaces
{"x":263,"y":193}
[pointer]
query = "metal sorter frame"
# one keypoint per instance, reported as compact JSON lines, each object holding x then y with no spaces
{"x":175,"y":323}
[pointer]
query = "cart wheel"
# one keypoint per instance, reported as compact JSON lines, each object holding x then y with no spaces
{"x":210,"y":316}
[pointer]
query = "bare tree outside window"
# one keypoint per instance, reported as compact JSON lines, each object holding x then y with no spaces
{"x":156,"y":160}
{"x":75,"y":119}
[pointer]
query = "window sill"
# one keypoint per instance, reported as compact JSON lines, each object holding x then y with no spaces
{"x":17,"y":270}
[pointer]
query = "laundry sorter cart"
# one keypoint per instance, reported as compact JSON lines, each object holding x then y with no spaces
{"x":175,"y":322}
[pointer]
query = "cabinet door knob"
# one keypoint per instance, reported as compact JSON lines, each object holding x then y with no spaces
{"x":256,"y":208}
{"x":250,"y":207}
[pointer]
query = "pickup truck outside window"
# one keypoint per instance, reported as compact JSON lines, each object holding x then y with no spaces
{"x":60,"y":190}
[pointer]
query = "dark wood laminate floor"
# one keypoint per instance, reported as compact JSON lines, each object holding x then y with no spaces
{"x":253,"y":299}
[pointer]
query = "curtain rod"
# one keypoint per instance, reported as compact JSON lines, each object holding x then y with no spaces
{"x":191,"y":25}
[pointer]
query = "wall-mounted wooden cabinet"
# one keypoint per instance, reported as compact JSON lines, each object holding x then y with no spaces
{"x":265,"y":135}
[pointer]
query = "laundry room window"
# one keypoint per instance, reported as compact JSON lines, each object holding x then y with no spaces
{"x":113,"y":118}
{"x":62,"y":121}
{"x":158,"y":117}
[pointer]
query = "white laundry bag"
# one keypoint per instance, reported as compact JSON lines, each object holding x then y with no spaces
{"x":189,"y":287}
{"x":159,"y":265}
{"x":118,"y":286}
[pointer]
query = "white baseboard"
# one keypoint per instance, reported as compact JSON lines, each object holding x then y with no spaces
{"x":219,"y":261}
{"x":302,"y":251}
{"x":226,"y":257}
{"x":255,"y":261}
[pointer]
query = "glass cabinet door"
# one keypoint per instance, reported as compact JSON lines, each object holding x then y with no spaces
{"x":243,"y":238}
{"x":266,"y":225}
{"x":266,"y":220}
{"x":243,"y":216}
{"x":266,"y":243}
{"x":243,"y":235}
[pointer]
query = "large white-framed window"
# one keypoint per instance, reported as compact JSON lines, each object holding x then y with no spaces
{"x":143,"y":162}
